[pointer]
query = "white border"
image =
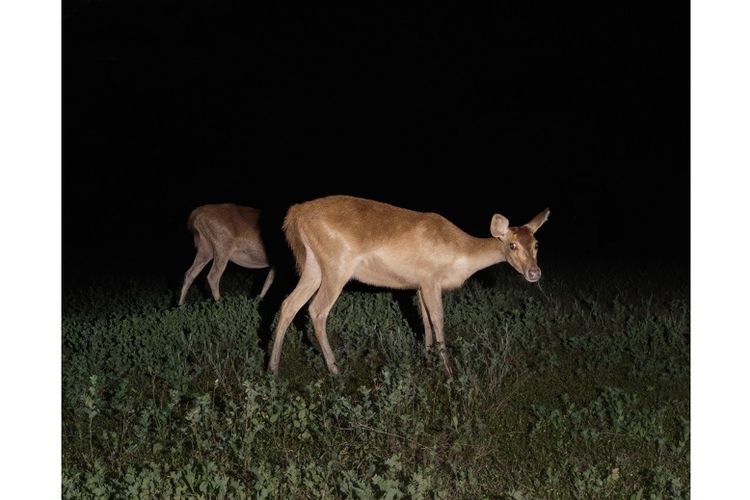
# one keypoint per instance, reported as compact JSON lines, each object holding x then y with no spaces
{"x":30,"y":242}
{"x":30,"y":200}
{"x":720,"y":192}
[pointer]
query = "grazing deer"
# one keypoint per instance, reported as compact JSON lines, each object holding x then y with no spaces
{"x":337,"y":238}
{"x":225,"y":232}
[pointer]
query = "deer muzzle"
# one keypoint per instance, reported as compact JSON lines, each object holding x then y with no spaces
{"x":533,"y":274}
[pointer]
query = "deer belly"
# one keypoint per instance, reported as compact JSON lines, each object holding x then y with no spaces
{"x":374,"y":270}
{"x":251,"y":260}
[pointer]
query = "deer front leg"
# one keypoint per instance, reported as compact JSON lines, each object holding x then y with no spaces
{"x":433,"y":302}
{"x":425,"y":322}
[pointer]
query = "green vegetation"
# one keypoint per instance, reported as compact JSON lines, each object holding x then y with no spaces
{"x":579,"y":389}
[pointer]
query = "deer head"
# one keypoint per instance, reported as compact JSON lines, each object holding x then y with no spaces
{"x":519,"y":244}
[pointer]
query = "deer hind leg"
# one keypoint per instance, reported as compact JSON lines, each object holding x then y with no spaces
{"x":308,"y":283}
{"x":425,"y":322}
{"x":331,"y":285}
{"x":433,"y":302}
{"x":202,"y":257}
{"x":221,"y":259}
{"x":267,"y":283}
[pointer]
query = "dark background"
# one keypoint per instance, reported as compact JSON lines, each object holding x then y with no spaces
{"x":467,"y":110}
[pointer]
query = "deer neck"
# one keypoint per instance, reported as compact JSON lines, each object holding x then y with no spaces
{"x":484,"y":252}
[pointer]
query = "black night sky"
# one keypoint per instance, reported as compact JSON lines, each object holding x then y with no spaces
{"x":465,"y":110}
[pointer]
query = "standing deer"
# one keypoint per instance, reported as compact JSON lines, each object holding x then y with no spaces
{"x":337,"y":238}
{"x":225,"y":232}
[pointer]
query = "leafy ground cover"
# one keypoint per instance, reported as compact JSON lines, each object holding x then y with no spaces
{"x":575,"y":389}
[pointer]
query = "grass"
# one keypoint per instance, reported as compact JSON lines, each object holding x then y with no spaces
{"x":579,"y":389}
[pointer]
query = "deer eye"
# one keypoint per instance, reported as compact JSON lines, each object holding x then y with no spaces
{"x":513,"y":246}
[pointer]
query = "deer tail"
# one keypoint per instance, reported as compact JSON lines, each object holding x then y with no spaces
{"x":293,"y":235}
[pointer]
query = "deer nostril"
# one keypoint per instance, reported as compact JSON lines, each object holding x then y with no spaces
{"x":534,"y":273}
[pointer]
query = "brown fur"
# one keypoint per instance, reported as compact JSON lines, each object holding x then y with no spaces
{"x":338,"y":238}
{"x":225,"y":232}
{"x":291,"y":232}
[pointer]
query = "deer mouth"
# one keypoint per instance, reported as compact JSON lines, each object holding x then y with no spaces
{"x":533,"y":275}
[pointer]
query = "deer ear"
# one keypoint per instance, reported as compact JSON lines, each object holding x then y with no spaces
{"x":499,"y":226}
{"x":537,"y":221}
